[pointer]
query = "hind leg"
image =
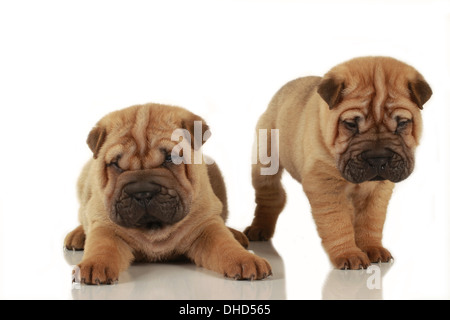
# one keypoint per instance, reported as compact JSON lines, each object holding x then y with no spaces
{"x":75,"y":239}
{"x":240,"y":237}
{"x":270,"y":199}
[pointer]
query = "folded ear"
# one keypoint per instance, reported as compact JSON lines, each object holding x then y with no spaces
{"x":420,"y":91}
{"x":198,"y":129}
{"x":95,"y":140}
{"x":330,"y":89}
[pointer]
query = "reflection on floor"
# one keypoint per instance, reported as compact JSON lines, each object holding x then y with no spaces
{"x":356,"y":284}
{"x":183,"y":280}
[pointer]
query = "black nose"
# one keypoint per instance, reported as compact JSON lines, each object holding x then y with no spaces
{"x":379,"y":163}
{"x":141,"y":191}
{"x":378,"y":158}
{"x":145,"y":195}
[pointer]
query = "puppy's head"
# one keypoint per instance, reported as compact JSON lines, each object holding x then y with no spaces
{"x":374,"y":123}
{"x":145,"y":184}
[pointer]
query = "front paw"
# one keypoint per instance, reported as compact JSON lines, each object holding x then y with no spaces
{"x":353,"y":260}
{"x":378,"y":254}
{"x":240,"y":237}
{"x":258,"y":233}
{"x":75,"y":239}
{"x":247,"y":266}
{"x":98,"y":270}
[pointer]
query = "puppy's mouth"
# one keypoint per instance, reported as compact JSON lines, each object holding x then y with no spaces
{"x":376,"y":166}
{"x":147,"y":205}
{"x":377,"y":178}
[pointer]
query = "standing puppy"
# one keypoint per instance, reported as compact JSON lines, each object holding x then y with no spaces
{"x":347,"y":137}
{"x":140,"y":201}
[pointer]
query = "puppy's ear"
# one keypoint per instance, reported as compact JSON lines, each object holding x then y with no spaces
{"x":419,"y":91}
{"x":95,"y":140}
{"x":198,"y":130}
{"x":330,"y":89}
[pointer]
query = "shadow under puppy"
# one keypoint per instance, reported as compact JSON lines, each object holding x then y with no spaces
{"x":138,"y":203}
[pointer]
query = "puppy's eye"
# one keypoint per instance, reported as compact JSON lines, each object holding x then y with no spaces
{"x":402,"y":124}
{"x":351,"y":125}
{"x":115,"y":165}
{"x":168,"y":158}
{"x":172,"y":158}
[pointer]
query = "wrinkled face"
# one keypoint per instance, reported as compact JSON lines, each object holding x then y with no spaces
{"x":376,"y":150}
{"x":377,"y":120}
{"x":149,"y":197}
{"x":142,"y":186}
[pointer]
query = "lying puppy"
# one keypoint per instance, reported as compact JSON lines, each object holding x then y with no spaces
{"x":138,"y":203}
{"x":347,"y":137}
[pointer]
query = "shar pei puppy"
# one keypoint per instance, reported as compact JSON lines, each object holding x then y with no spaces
{"x":347,"y":137}
{"x":144,"y":198}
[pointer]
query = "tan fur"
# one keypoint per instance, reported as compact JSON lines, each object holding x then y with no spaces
{"x":138,"y":133}
{"x":308,"y":113}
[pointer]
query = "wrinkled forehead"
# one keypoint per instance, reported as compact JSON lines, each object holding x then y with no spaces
{"x":151,"y":131}
{"x":145,"y":135}
{"x":377,"y":97}
{"x":143,"y":142}
{"x":391,"y":112}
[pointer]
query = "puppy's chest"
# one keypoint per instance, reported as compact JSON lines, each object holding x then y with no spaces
{"x":359,"y":194}
{"x":153,"y":246}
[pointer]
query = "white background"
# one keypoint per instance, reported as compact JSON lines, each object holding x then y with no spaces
{"x":65,"y":64}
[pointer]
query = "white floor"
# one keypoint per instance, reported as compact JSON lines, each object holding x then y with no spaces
{"x":299,"y":273}
{"x":418,"y":240}
{"x":185,"y":281}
